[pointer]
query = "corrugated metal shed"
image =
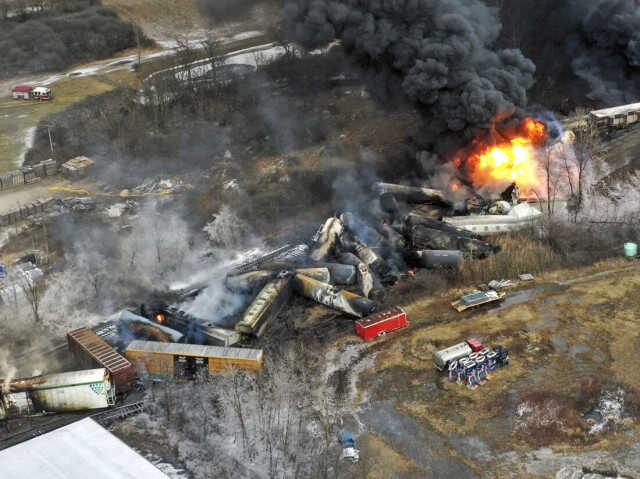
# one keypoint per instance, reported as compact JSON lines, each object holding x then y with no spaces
{"x":76,"y":451}
{"x":195,"y":350}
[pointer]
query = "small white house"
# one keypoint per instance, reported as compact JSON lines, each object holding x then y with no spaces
{"x":22,"y":92}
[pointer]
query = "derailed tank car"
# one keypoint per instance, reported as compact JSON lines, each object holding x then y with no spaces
{"x":172,"y":360}
{"x":266,"y":305}
{"x":62,"y":392}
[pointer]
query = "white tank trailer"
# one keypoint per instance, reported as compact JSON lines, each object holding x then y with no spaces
{"x":62,"y":392}
{"x":442,"y":358}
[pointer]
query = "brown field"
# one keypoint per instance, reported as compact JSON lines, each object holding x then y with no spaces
{"x":571,"y":335}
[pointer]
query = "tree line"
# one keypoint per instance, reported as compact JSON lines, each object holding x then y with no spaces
{"x":52,"y":35}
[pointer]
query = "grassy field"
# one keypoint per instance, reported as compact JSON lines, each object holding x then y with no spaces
{"x":17,"y":117}
{"x":570,"y":340}
{"x":159,"y":18}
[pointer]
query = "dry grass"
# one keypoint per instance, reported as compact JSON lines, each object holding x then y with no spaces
{"x":159,"y":18}
{"x":518,"y":255}
{"x":597,"y":311}
{"x":17,"y":116}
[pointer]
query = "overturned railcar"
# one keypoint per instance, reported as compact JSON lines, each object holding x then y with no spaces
{"x":197,"y":330}
{"x":266,"y":305}
{"x":323,"y":293}
{"x":62,"y":392}
{"x":90,"y":350}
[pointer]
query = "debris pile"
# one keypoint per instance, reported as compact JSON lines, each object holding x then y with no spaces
{"x":607,"y":413}
{"x":352,"y":257}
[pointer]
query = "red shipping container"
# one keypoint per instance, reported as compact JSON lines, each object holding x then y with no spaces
{"x":380,"y":323}
{"x":475,"y":345}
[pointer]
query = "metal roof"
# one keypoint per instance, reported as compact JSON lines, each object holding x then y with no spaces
{"x":76,"y":451}
{"x":617,"y":110}
{"x":195,"y":350}
{"x":23,"y":88}
{"x":99,"y":349}
{"x":382,"y":316}
{"x":478,"y":297}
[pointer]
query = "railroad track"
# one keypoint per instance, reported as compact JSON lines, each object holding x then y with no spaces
{"x":118,"y":413}
{"x":60,"y":420}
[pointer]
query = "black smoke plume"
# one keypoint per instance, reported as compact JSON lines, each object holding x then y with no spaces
{"x":439,"y":53}
{"x":587,"y":50}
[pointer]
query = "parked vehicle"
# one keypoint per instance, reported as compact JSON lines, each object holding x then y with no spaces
{"x":442,"y":358}
{"x":22,"y":92}
{"x":348,"y":443}
{"x":381,"y":323}
{"x":471,"y":347}
{"x":477,"y":298}
{"x":90,"y":350}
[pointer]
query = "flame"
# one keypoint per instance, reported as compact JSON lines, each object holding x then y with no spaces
{"x":510,"y":160}
{"x":159,"y":318}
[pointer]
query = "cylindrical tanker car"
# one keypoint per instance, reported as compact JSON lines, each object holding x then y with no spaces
{"x":62,"y":392}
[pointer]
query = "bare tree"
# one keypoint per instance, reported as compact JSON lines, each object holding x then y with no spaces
{"x":586,"y":144}
{"x":214,"y":61}
{"x":33,"y":291}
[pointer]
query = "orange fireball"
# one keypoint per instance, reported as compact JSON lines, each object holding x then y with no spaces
{"x":510,"y":160}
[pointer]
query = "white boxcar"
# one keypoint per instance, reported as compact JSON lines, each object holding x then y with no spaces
{"x":442,"y":358}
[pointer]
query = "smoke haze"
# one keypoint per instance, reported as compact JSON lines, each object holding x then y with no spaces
{"x":586,"y":50}
{"x":439,"y":53}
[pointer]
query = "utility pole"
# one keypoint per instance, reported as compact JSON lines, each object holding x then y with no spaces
{"x":50,"y":140}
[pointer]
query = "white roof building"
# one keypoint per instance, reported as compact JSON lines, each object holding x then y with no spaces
{"x":617,"y":110}
{"x":79,"y":450}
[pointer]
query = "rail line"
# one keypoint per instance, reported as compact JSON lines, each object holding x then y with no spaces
{"x":61,"y":420}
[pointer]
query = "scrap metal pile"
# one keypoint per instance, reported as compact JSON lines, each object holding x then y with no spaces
{"x":352,"y":257}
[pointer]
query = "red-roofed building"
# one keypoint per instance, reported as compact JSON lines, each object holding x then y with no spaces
{"x":22,"y":92}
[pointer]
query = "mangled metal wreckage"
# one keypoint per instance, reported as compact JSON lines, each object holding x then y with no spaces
{"x":351,"y":258}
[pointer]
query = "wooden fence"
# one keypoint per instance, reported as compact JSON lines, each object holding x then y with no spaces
{"x":28,"y":175}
